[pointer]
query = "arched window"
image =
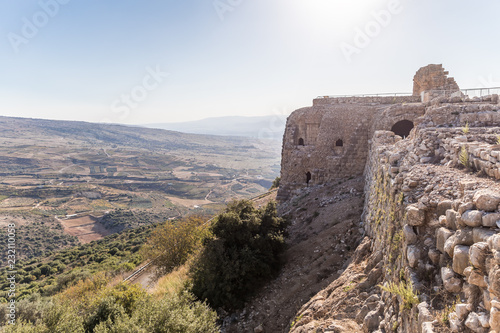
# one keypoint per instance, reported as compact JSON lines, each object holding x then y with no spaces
{"x":301,"y":142}
{"x":402,"y":128}
{"x":339,"y":143}
{"x":308,"y":177}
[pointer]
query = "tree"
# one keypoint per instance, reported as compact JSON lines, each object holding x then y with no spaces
{"x":171,"y":244}
{"x":243,"y":253}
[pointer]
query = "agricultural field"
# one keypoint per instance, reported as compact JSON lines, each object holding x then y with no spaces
{"x":67,"y":183}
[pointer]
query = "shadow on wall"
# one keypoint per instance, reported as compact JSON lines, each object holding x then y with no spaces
{"x":402,"y":128}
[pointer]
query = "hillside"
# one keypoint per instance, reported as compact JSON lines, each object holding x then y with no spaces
{"x":64,"y":182}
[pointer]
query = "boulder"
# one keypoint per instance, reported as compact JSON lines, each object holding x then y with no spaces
{"x":486,"y":200}
{"x":494,"y":281}
{"x":461,"y":311}
{"x":472,"y":218}
{"x":460,"y":258}
{"x":464,"y":237}
{"x":415,"y":216}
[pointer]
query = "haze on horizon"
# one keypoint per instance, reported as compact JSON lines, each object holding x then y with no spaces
{"x":169,"y":61}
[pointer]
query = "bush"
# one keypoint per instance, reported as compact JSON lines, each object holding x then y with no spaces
{"x":243,"y":253}
{"x":171,"y":244}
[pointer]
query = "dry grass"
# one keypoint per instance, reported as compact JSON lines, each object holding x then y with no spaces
{"x":172,"y":283}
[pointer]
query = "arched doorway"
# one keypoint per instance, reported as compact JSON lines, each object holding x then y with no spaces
{"x":308,"y":178}
{"x":301,"y":142}
{"x":339,"y":143}
{"x":402,"y":128}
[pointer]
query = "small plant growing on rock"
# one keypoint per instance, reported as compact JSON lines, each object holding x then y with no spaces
{"x":464,"y":157}
{"x":466,"y":128}
{"x":403,"y":290}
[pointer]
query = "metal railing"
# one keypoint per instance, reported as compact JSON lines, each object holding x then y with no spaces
{"x":367,"y":95}
{"x":480,"y":92}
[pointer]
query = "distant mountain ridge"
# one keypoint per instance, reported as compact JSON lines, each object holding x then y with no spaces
{"x":261,"y":127}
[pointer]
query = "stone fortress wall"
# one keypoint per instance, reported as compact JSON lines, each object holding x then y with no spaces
{"x":329,"y":140}
{"x":431,"y":164}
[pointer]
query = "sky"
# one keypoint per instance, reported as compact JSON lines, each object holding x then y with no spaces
{"x":157,"y":61}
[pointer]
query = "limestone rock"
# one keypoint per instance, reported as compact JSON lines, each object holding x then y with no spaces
{"x":465,"y":237}
{"x":451,"y":283}
{"x":413,"y":255}
{"x":442,"y":234}
{"x":494,"y":281}
{"x":495,"y":319}
{"x":473,"y":323}
{"x":455,"y":323}
{"x":410,"y":236}
{"x":477,"y":279}
{"x":494,"y":242}
{"x":486,"y":200}
{"x":478,"y":253}
{"x":371,"y":321}
{"x":424,"y":314}
{"x":449,"y":245}
{"x":451,"y":219}
{"x":481,"y":234}
{"x":415,"y":216}
{"x":490,"y":220}
{"x":460,"y":258}
{"x":472,"y":218}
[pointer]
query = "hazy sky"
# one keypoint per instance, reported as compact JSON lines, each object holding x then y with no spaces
{"x":149,"y":61}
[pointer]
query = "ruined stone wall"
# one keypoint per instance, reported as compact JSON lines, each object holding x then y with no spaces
{"x":438,"y":231}
{"x":324,"y":143}
{"x":366,"y":100}
{"x":433,"y":77}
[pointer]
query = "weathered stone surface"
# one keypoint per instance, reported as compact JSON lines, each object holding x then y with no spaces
{"x":413,"y":255}
{"x":450,"y":281}
{"x":461,"y":310}
{"x":449,"y":245}
{"x":434,"y":256}
{"x":494,"y":242}
{"x":494,"y":281}
{"x":451,"y":219}
{"x":490,"y":220}
{"x":484,"y":320}
{"x":415,"y":216}
{"x":259,"y":329}
{"x":455,"y":323}
{"x":472,"y":218}
{"x":371,"y":321}
{"x":410,"y":236}
{"x":443,"y":206}
{"x":424,"y":315}
{"x":486,"y":200}
{"x":442,"y":235}
{"x":478,"y":253}
{"x":487,"y":300}
{"x":460,"y":258}
{"x":464,"y":237}
{"x":477,"y":279}
{"x":472,"y":322}
{"x":495,"y":319}
{"x":481,"y":234}
{"x":427,"y":327}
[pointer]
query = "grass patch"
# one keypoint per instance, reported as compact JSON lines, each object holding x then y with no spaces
{"x":403,"y":290}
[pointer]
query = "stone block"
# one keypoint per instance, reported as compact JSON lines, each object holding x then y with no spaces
{"x":413,"y":254}
{"x":481,"y":234}
{"x":415,"y":216}
{"x":477,"y":279}
{"x":478,"y":254}
{"x":486,"y":200}
{"x":460,"y":258}
{"x":472,"y":218}
{"x":442,"y":235}
{"x":410,"y":236}
{"x":450,"y":281}
{"x":490,"y":220}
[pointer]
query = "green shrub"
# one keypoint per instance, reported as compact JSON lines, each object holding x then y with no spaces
{"x":405,"y":291}
{"x":243,"y":253}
